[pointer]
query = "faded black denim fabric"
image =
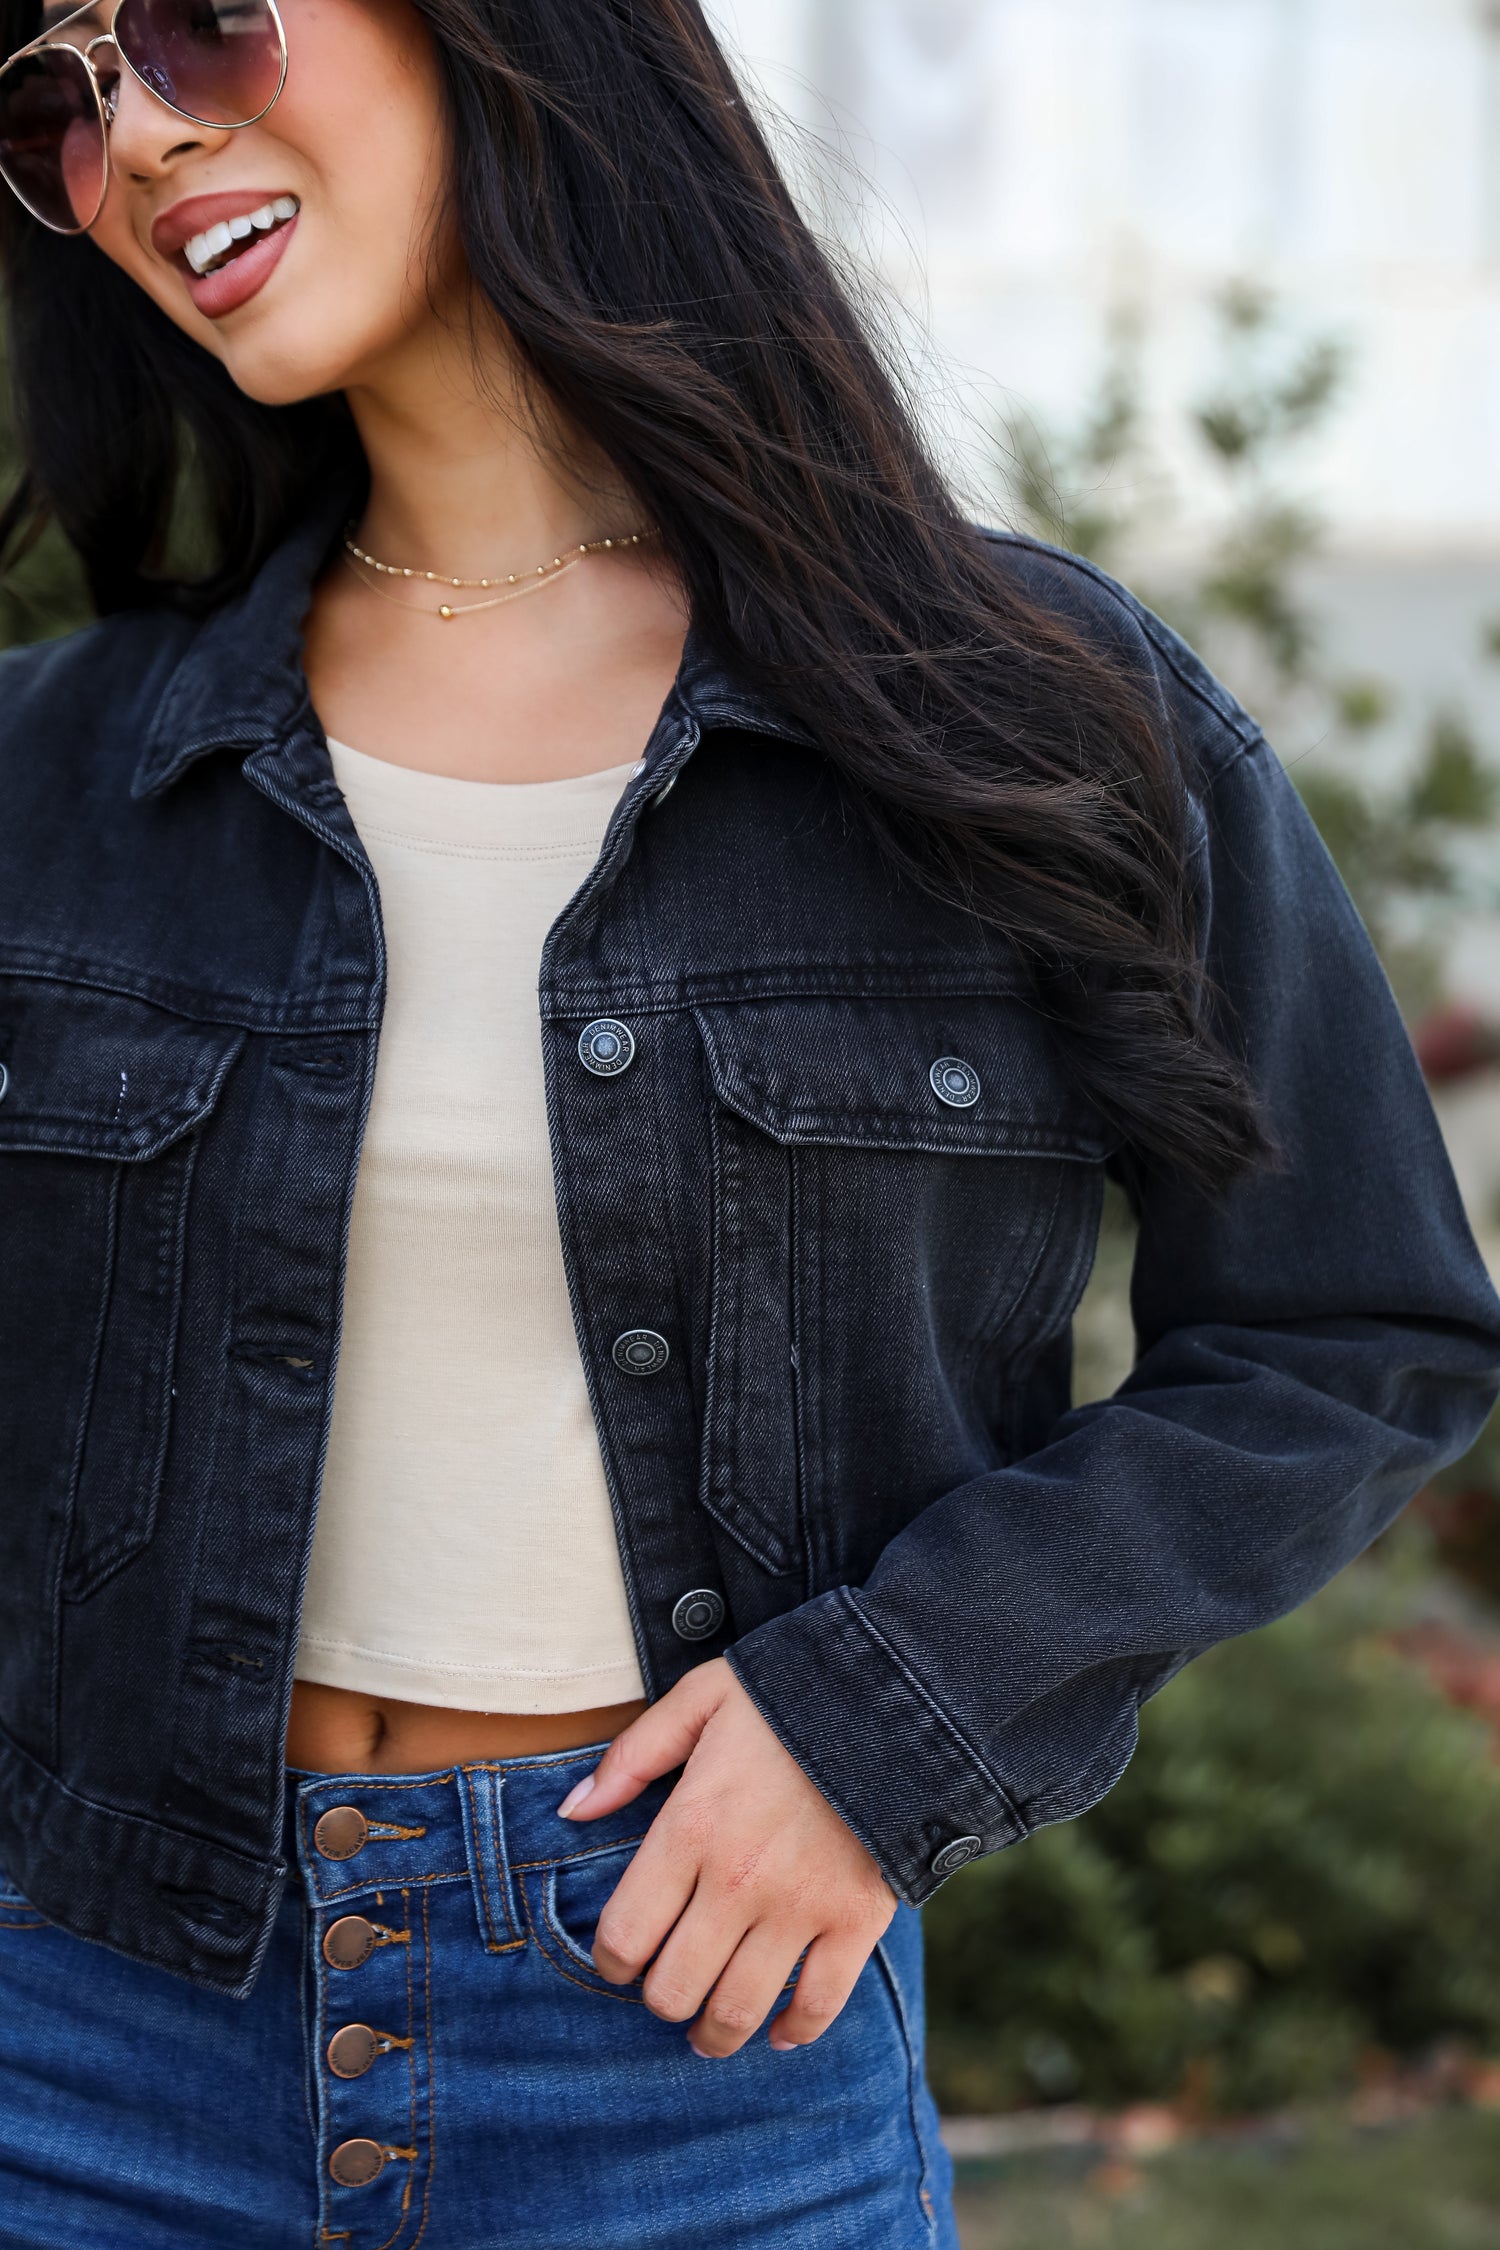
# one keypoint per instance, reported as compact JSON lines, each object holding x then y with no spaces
{"x":948,"y":1593}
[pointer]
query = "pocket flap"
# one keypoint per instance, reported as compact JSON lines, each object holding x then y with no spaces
{"x":93,"y":1073}
{"x":956,"y":1077}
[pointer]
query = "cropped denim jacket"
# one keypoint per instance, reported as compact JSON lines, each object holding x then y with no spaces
{"x":827,"y":1202}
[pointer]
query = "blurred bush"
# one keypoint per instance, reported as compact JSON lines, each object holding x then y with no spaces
{"x":1299,"y":1871}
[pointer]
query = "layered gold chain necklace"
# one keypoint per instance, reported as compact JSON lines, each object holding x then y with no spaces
{"x":516,"y":582}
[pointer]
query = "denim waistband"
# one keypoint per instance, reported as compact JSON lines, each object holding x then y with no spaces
{"x":481,"y":1820}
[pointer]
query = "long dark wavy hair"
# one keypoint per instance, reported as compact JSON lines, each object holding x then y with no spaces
{"x":623,"y":214}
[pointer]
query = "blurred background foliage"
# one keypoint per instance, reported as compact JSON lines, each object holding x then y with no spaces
{"x":44,"y":594}
{"x":1295,"y":1882}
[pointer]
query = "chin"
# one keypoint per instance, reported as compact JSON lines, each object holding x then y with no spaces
{"x":280,"y":378}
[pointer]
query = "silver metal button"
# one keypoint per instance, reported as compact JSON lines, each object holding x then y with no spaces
{"x":640,"y":1351}
{"x":954,"y":1081}
{"x":698,"y":1614}
{"x":606,"y":1047}
{"x":957,"y":1854}
{"x":4,"y":1081}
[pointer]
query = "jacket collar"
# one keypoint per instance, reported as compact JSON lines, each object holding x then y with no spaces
{"x":240,"y":684}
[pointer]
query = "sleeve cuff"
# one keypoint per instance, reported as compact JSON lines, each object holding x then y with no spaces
{"x":871,"y":1738}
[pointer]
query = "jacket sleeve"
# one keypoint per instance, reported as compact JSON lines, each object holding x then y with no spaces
{"x":1309,"y":1351}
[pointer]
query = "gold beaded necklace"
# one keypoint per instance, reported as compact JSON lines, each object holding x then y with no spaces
{"x":515,"y":582}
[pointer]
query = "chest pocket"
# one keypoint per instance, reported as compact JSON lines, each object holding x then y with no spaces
{"x":905,"y":1198}
{"x":102,"y":1100}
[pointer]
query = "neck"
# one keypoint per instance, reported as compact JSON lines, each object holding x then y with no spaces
{"x":466,"y":477}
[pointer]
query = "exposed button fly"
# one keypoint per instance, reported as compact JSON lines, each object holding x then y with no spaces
{"x":698,"y":1614}
{"x":606,"y":1047}
{"x":349,"y":1942}
{"x":341,"y":1832}
{"x":640,"y":1351}
{"x":957,"y":1854}
{"x":352,"y":2050}
{"x":356,"y":2163}
{"x":954,"y":1081}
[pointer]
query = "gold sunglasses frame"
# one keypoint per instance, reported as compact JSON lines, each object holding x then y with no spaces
{"x":106,"y":105}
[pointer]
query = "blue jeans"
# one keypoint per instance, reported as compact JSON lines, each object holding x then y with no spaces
{"x":428,"y":2056}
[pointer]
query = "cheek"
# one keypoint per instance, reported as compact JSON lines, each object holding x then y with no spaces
{"x":82,"y":164}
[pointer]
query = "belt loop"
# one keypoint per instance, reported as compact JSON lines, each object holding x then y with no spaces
{"x":479,"y":1792}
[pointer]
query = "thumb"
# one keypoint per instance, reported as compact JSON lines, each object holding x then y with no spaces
{"x":656,"y":1742}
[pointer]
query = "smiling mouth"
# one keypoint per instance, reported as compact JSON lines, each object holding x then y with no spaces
{"x":218,"y":244}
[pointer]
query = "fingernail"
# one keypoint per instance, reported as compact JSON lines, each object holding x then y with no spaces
{"x":575,"y":1797}
{"x":782,"y":2046}
{"x":703,"y":2054}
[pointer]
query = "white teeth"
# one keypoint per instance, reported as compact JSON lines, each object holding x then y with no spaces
{"x":206,"y":249}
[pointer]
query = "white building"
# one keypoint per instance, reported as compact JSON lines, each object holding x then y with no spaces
{"x":1045,"y":159}
{"x":1038,"y":163}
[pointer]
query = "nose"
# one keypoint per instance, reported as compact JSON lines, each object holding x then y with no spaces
{"x":147,"y":140}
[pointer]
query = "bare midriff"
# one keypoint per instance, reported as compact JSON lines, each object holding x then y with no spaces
{"x":336,"y":1730}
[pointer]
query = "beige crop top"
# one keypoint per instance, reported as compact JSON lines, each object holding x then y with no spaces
{"x":465,"y":1551}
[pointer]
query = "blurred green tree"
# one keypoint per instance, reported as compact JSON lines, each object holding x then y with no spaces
{"x":1403,"y":845}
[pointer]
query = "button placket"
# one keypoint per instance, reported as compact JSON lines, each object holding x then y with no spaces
{"x":367,"y":2112}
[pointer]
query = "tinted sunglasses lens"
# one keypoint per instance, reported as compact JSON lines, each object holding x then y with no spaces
{"x":52,"y":138}
{"x":218,"y":61}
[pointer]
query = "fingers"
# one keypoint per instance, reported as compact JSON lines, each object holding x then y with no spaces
{"x":745,"y":1993}
{"x":642,"y":1909}
{"x":708,"y":1936}
{"x":655,"y":1743}
{"x":829,"y":1974}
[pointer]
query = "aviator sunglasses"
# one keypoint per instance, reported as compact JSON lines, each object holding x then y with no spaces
{"x":215,"y":62}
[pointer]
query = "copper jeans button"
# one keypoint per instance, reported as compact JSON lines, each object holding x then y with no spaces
{"x":349,"y":1942}
{"x":356,"y":2163}
{"x":352,"y":2050}
{"x":341,"y":1832}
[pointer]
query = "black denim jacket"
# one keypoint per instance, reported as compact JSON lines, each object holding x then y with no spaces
{"x":826,"y":1204}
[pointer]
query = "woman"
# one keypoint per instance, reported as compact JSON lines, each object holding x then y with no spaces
{"x":602,"y":906}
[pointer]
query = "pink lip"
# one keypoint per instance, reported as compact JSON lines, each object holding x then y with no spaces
{"x":228,"y":287}
{"x":196,"y":213}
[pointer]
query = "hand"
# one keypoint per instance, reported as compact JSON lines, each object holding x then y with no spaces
{"x":746,"y":1866}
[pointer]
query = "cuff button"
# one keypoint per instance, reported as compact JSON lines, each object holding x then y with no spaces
{"x":957,"y":1854}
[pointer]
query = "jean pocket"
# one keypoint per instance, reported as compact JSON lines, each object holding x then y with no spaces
{"x":563,"y":1904}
